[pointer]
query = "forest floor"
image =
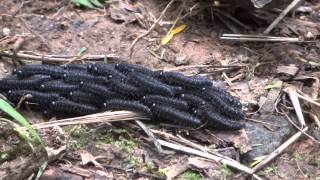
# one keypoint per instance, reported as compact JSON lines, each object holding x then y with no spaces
{"x":259,"y":73}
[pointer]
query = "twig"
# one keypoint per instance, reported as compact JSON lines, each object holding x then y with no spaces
{"x":55,"y":58}
{"x":279,"y":150}
{"x":258,"y":121}
{"x":258,"y":38}
{"x":150,"y":134}
{"x":153,"y":25}
{"x":315,"y":118}
{"x":282,"y":15}
{"x":296,"y":126}
{"x":293,"y":95}
{"x":308,"y":99}
{"x":201,"y":66}
{"x":93,"y":118}
{"x":26,"y":25}
{"x":227,"y":15}
{"x":188,"y":150}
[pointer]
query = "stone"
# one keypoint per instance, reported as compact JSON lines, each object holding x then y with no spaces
{"x":263,"y":140}
{"x":6,"y":31}
{"x":181,"y":59}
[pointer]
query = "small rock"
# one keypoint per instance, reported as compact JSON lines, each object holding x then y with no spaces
{"x":181,"y":59}
{"x":6,"y":31}
{"x":265,"y":141}
{"x":290,"y":70}
{"x":310,"y":35}
{"x":267,"y":103}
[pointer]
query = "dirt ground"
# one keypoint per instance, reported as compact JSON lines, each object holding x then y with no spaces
{"x":121,"y":150}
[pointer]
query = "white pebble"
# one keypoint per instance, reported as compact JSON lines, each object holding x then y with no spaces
{"x":6,"y":31}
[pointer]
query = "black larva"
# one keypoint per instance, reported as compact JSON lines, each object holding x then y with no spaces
{"x":99,"y":90}
{"x":175,"y":115}
{"x":30,"y":84}
{"x":36,"y":97}
{"x":149,"y":100}
{"x":58,"y":86}
{"x":72,"y":107}
{"x":119,"y":104}
{"x":188,"y":82}
{"x":86,"y":98}
{"x":107,"y":70}
{"x":77,"y":77}
{"x":151,"y":85}
{"x":76,"y":67}
{"x":217,"y":120}
{"x":127,"y":89}
{"x":193,"y":100}
{"x":127,"y":68}
{"x":225,"y":96}
{"x":224,"y":108}
{"x":29,"y":70}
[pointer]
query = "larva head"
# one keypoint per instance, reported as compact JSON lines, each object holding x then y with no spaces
{"x":70,"y":93}
{"x":89,"y":67}
{"x":53,"y":103}
{"x":65,"y":75}
{"x":182,"y":95}
{"x":110,"y":76}
{"x":42,"y":86}
{"x":95,"y":69}
{"x":19,"y":72}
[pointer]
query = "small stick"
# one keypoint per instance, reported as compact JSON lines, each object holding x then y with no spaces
{"x":281,"y":16}
{"x":308,"y":99}
{"x":296,"y":104}
{"x":279,"y":150}
{"x":150,"y":134}
{"x":180,"y":139}
{"x":55,"y":58}
{"x":26,"y":25}
{"x":153,"y":25}
{"x":296,"y":126}
{"x":93,"y":118}
{"x":18,"y":44}
{"x":315,"y":118}
{"x":188,"y":150}
{"x":258,"y":38}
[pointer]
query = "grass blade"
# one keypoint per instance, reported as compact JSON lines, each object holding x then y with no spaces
{"x":7,"y":108}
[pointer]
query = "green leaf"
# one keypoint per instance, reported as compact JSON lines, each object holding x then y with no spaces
{"x":7,"y":108}
{"x":85,"y":3}
{"x":274,"y":85}
{"x":96,"y":3}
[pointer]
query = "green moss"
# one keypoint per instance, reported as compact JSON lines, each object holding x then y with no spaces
{"x":191,"y":175}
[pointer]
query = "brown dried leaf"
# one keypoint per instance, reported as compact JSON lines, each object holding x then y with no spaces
{"x":201,"y":163}
{"x":87,"y":158}
{"x":122,"y":12}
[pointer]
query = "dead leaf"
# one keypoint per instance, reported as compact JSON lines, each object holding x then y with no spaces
{"x":176,"y":169}
{"x":87,"y":158}
{"x":122,"y":12}
{"x":171,"y":34}
{"x":290,"y":70}
{"x":241,"y":141}
{"x":201,"y":163}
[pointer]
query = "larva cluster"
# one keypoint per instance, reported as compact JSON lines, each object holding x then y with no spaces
{"x":80,"y":89}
